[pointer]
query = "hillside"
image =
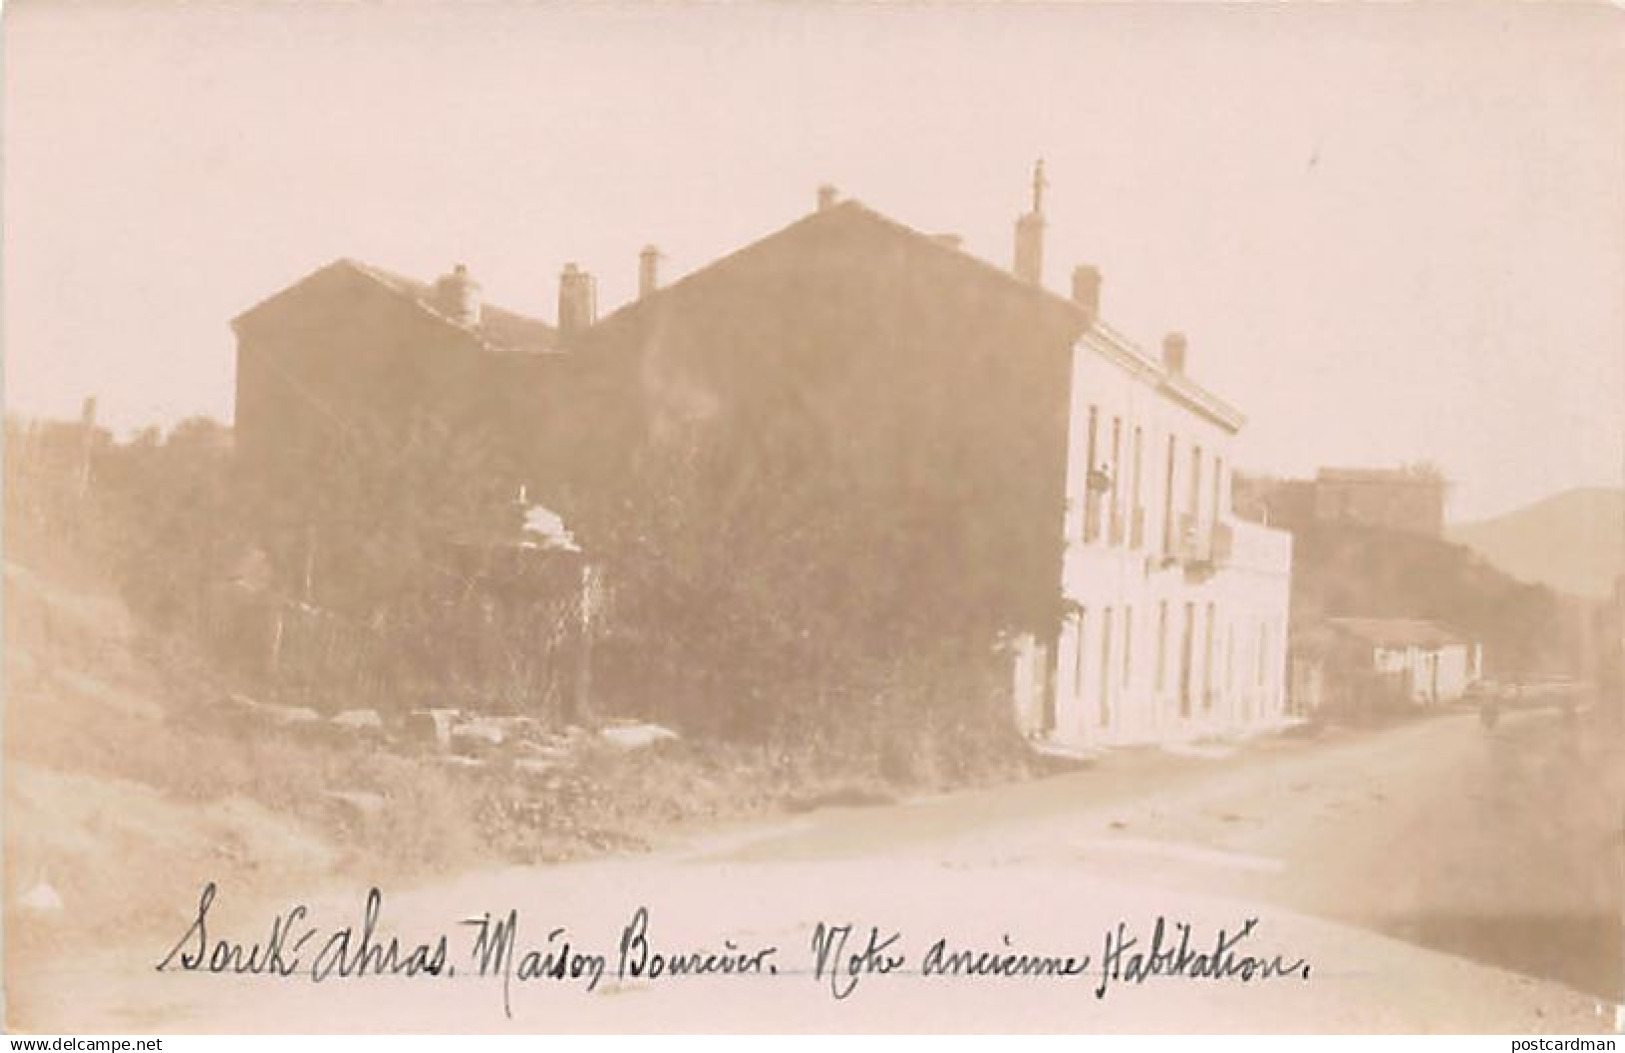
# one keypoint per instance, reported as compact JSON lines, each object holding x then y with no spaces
{"x":1351,"y":570}
{"x":1573,"y":542}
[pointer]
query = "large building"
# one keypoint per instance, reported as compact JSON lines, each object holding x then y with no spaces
{"x":919,"y":416}
{"x":1410,"y":500}
{"x":1176,"y":610}
{"x":1407,"y":499}
{"x":350,"y":358}
{"x":861,"y":433}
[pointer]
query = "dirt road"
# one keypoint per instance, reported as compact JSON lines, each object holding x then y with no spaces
{"x":1430,"y":876}
{"x":1507,"y":847}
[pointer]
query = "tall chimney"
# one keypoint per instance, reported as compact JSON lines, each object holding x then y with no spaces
{"x":648,"y":270}
{"x":827,"y":195}
{"x":457,"y":296}
{"x":1030,"y":233}
{"x":578,"y":300}
{"x":1086,"y":290}
{"x":1173,"y":352}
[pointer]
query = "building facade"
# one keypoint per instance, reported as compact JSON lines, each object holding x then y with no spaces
{"x":859,"y":433}
{"x":1354,"y":663}
{"x":880,"y":418}
{"x":1175,"y":610}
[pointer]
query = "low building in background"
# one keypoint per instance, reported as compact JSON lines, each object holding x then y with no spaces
{"x":1409,"y":499}
{"x":1288,"y":504}
{"x":1344,"y":664}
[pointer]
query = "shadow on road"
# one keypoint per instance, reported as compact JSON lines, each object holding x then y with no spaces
{"x":1582,"y":951}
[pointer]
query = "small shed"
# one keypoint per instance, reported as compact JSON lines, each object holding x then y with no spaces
{"x":521,"y":616}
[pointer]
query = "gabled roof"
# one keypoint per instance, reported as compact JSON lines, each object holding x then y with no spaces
{"x":507,"y":331}
{"x":856,"y":216}
{"x":1398,"y":632}
{"x":498,"y":329}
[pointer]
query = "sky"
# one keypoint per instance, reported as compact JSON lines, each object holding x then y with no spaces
{"x":1392,"y":233}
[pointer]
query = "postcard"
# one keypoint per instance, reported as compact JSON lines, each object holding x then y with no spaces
{"x":813,"y":518}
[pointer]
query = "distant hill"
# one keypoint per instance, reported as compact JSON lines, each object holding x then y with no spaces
{"x":1573,"y":542}
{"x":1352,"y":570}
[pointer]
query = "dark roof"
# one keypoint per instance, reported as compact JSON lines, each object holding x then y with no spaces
{"x":1398,"y":632}
{"x":498,"y":329}
{"x":855,"y":215}
{"x":503,"y":329}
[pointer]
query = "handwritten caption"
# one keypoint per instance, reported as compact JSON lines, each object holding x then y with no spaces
{"x":838,"y":957}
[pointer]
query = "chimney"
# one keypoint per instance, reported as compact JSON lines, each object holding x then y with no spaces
{"x":1030,"y":233}
{"x":578,"y":300}
{"x":827,"y":196}
{"x":1086,"y":290}
{"x":648,"y":270}
{"x":1173,"y":352}
{"x":457,"y":296}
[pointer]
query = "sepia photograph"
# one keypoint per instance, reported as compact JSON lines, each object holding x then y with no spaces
{"x":809,"y":518}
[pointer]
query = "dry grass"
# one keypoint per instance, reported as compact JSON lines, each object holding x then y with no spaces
{"x":130,"y":777}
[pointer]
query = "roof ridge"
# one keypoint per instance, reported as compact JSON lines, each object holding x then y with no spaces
{"x":1175,"y":385}
{"x":417,"y":293}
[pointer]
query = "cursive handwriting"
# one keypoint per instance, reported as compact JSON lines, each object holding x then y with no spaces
{"x":346,"y":953}
{"x":1125,"y":962}
{"x":940,"y":960}
{"x":277,"y":956}
{"x":841,"y":970}
{"x":842,"y":954}
{"x":495,"y":954}
{"x":637,"y":959}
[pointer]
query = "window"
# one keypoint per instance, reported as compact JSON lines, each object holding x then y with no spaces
{"x":1128,"y":645}
{"x":1168,"y":501}
{"x":1162,"y":645}
{"x":1094,"y":424}
{"x":1207,"y":660}
{"x":1230,"y":657}
{"x":1106,"y":667}
{"x":1194,"y":504}
{"x":1134,"y":486}
{"x":1218,"y":486}
{"x":1117,"y":484}
{"x":1091,"y":496}
{"x":1187,"y":642}
{"x":1079,"y":623}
